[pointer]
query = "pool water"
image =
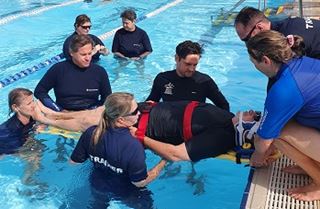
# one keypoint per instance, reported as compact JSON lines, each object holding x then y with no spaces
{"x":46,"y":179}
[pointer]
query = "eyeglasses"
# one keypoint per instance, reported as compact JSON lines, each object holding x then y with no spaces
{"x":86,"y":27}
{"x":134,"y":113}
{"x":245,"y":39}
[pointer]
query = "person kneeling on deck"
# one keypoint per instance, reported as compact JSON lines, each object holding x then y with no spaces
{"x":291,"y":119}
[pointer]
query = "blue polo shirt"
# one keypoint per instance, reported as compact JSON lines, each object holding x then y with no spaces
{"x":295,"y":94}
{"x":118,"y":154}
{"x":308,"y":29}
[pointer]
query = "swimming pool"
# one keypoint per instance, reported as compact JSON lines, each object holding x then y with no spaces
{"x":35,"y":35}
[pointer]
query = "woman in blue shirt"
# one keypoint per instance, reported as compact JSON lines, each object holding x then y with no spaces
{"x":291,"y":119}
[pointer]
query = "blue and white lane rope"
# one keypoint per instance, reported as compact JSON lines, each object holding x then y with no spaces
{"x":58,"y":58}
{"x":35,"y":11}
{"x":29,"y":71}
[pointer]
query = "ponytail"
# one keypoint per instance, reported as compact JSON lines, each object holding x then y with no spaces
{"x":116,"y":105}
{"x":274,"y":45}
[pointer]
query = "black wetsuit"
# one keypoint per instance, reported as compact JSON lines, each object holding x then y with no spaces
{"x":212,"y":128}
{"x":75,"y":88}
{"x":168,"y":86}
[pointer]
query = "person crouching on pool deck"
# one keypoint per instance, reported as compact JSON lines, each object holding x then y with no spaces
{"x":15,"y":131}
{"x":171,"y":130}
{"x":78,"y":84}
{"x":111,"y":147}
{"x":291,"y":119}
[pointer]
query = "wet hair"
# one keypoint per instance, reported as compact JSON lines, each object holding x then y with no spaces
{"x":129,"y":14}
{"x":81,"y":19}
{"x":16,"y":96}
{"x":275,"y":46}
{"x":116,"y":105}
{"x":249,"y":15}
{"x":188,"y":47}
{"x":79,"y":41}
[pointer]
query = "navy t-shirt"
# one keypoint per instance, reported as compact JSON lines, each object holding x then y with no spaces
{"x":75,"y":88}
{"x":131,"y":44}
{"x":66,"y":46}
{"x":13,"y":134}
{"x":117,"y":153}
{"x":308,"y":29}
{"x":168,"y":86}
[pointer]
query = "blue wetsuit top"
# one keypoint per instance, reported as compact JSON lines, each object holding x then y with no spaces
{"x":131,"y":44}
{"x":75,"y":88}
{"x":117,"y":153}
{"x":13,"y":134}
{"x":168,"y":86}
{"x":66,"y":46}
{"x":295,"y":94}
{"x":308,"y":29}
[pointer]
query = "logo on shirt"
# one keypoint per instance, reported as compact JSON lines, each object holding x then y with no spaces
{"x":104,"y":162}
{"x":263,"y":118}
{"x":168,"y":88}
{"x":309,"y":23}
{"x":91,"y":90}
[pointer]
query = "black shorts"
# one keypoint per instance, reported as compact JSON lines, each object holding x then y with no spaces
{"x":213,"y":132}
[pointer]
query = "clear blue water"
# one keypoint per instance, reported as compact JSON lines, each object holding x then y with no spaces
{"x":29,"y":40}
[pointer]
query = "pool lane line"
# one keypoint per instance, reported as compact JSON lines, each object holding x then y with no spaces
{"x":35,"y":11}
{"x":12,"y":78}
{"x":59,"y":57}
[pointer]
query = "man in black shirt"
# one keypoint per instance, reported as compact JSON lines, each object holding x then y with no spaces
{"x":250,"y":21}
{"x":185,"y":83}
{"x":78,"y":84}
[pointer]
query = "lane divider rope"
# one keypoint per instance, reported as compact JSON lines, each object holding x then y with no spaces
{"x":59,"y":57}
{"x":35,"y":11}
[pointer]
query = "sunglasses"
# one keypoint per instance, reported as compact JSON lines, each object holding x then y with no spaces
{"x":134,"y":113}
{"x":245,"y":39}
{"x":258,"y":115}
{"x":85,"y":26}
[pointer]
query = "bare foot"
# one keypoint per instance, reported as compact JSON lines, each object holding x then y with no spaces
{"x":310,"y":192}
{"x":294,"y":169}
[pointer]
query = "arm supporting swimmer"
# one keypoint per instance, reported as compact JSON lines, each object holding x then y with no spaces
{"x":168,"y":151}
{"x":262,"y":147}
{"x":152,"y":174}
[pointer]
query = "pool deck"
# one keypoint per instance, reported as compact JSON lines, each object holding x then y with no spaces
{"x":268,"y":188}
